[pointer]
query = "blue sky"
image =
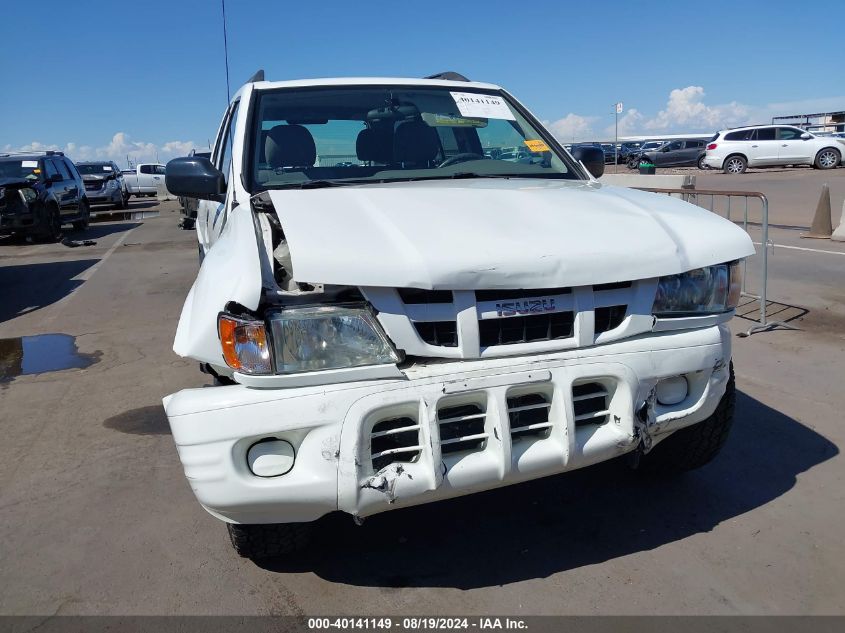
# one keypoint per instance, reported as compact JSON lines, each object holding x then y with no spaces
{"x":148,"y":77}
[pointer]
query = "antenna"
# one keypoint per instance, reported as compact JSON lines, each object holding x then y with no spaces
{"x":226,"y":50}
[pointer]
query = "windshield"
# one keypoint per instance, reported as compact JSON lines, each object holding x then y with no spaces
{"x":87,"y":169}
{"x":392,"y":133}
{"x":16,"y":169}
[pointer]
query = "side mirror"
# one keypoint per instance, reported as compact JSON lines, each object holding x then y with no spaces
{"x":55,"y":178}
{"x":194,"y":177}
{"x":592,"y":157}
{"x":806,"y":136}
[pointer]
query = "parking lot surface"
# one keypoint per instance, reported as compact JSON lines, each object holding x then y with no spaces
{"x":97,"y":517}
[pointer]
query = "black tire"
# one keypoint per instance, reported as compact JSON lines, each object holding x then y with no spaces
{"x":694,"y":446}
{"x":85,"y":220}
{"x":633,"y":163}
{"x":701,"y":163}
{"x":121,"y":204}
{"x":51,"y":223}
{"x":827,"y":158}
{"x":268,"y":541}
{"x":734,"y":165}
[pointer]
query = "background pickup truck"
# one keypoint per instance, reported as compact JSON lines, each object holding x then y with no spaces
{"x":146,"y":179}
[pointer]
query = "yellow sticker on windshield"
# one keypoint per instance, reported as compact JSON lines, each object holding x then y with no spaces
{"x":536,"y":145}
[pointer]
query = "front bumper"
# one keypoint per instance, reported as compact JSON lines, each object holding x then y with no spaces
{"x":104,"y":196}
{"x":17,"y":222}
{"x":330,"y":427}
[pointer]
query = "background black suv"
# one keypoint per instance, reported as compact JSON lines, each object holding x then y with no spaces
{"x":39,"y":193}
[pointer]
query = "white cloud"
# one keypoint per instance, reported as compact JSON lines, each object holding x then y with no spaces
{"x":686,"y":111}
{"x":120,"y":146}
{"x":572,"y":127}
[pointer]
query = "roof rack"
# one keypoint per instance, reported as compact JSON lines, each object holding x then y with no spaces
{"x":448,"y":75}
{"x":49,"y":152}
{"x":258,"y":76}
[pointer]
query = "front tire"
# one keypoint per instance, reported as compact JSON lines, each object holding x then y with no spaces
{"x":828,"y":158}
{"x":82,"y":223}
{"x":258,"y":541}
{"x":694,"y":446}
{"x":735,"y":165}
{"x":51,"y":223}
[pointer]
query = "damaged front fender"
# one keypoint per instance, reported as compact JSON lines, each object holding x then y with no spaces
{"x":230,"y":272}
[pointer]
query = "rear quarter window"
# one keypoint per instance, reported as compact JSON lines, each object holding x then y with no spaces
{"x":739,"y":135}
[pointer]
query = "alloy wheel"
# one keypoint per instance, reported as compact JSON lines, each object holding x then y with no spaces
{"x":828,"y":159}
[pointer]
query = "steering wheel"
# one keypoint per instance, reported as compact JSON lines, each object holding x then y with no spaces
{"x":460,"y":158}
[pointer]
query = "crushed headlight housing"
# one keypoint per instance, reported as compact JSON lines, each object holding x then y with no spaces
{"x":708,"y":290}
{"x":327,"y":337}
{"x":245,"y":346}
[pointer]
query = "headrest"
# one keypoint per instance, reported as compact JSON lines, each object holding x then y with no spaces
{"x":415,"y":142}
{"x":290,"y":146}
{"x":373,"y":145}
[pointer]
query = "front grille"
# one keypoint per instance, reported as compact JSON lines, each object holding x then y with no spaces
{"x":590,"y":402}
{"x":529,"y":416}
{"x":439,"y":333}
{"x":501,"y":295}
{"x":415,"y":296}
{"x":526,"y":329}
{"x":609,"y":318}
{"x":94,"y":185}
{"x":461,"y":428}
{"x":394,"y":440}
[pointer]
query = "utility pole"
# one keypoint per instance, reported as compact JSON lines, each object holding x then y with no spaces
{"x":617,"y":110}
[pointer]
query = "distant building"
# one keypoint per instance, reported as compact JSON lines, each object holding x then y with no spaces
{"x":817,"y":122}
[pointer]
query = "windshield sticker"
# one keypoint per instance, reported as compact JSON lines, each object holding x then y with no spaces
{"x":536,"y":145}
{"x":472,"y":104}
{"x":29,"y":163}
{"x":106,"y":168}
{"x":450,"y":120}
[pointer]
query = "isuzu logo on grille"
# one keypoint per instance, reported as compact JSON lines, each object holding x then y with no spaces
{"x":524,"y":306}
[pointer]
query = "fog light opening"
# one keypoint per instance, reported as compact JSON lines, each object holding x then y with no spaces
{"x":671,"y":391}
{"x":270,"y":457}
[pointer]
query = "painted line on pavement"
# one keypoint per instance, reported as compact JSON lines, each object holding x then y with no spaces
{"x":802,"y":248}
{"x":85,"y":276}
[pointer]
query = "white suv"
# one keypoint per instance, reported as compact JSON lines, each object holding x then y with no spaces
{"x":770,"y":146}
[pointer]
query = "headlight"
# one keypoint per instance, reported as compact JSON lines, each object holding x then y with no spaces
{"x":111,"y":184}
{"x":707,"y":290}
{"x":305,"y":339}
{"x":327,"y":337}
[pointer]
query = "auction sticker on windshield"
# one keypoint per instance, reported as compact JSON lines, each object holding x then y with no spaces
{"x":473,"y":104}
{"x":536,"y":145}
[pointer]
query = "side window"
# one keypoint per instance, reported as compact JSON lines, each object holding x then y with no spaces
{"x":789,"y":133}
{"x":694,"y":144}
{"x":146,"y":169}
{"x":740,"y":135}
{"x":72,"y":169}
{"x":218,"y":142}
{"x":225,"y":161}
{"x":50,"y":169}
{"x":159,"y":170}
{"x":63,"y":170}
{"x":766,"y":134}
{"x":674,"y":146}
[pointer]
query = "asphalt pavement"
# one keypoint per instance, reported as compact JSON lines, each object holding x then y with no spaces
{"x":97,"y":517}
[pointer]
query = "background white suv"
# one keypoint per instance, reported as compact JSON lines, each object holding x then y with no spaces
{"x":770,"y":146}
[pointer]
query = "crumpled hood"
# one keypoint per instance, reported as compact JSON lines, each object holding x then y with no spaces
{"x":497,"y":233}
{"x":16,"y":183}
